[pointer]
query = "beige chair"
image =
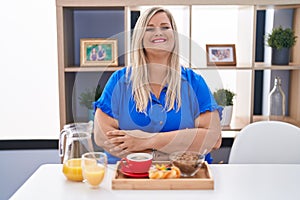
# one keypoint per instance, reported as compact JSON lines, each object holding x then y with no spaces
{"x":266,"y":142}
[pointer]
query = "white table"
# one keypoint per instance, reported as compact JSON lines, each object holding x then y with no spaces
{"x":231,"y":182}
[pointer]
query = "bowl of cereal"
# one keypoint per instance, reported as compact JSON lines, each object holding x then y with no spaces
{"x":189,"y":162}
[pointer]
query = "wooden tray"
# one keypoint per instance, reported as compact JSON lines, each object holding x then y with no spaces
{"x":201,"y":181}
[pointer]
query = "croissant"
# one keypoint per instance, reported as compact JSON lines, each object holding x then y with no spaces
{"x":164,"y":171}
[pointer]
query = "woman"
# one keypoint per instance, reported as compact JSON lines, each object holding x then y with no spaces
{"x":93,"y":55}
{"x":155,"y":104}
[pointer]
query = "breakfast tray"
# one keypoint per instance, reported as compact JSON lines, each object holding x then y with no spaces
{"x":201,"y":181}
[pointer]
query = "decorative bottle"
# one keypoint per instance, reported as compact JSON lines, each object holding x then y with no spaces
{"x":276,"y":100}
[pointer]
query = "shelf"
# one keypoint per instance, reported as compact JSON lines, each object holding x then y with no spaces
{"x":101,"y":69}
{"x":274,"y":6}
{"x":109,"y":3}
{"x":229,"y":134}
{"x":238,"y":67}
{"x":92,"y":69}
{"x":237,"y":123}
{"x":257,"y":66}
{"x":287,"y":119}
{"x":265,"y":66}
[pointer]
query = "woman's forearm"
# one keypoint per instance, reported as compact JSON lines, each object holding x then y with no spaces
{"x":203,"y":138}
{"x":102,"y":124}
{"x":196,"y":139}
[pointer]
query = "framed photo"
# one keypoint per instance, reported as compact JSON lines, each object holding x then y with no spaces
{"x":221,"y":54}
{"x":98,"y":52}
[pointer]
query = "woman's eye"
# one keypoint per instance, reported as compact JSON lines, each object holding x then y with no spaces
{"x":165,"y":28}
{"x":151,"y":29}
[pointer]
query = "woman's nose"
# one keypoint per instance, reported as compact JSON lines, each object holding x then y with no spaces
{"x":157,"y":32}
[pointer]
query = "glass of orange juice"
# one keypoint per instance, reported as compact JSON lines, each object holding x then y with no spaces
{"x":94,"y":165}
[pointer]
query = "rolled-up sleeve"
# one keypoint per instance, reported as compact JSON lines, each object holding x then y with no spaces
{"x":108,"y":100}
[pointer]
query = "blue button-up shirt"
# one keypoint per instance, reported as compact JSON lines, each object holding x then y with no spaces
{"x":117,"y":101}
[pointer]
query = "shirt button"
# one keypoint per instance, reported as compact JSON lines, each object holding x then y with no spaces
{"x":161,"y":122}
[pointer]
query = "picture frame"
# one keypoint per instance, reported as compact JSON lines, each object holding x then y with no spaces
{"x":220,"y":55}
{"x":98,"y":52}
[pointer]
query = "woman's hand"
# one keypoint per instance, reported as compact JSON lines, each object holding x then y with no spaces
{"x":125,"y":142}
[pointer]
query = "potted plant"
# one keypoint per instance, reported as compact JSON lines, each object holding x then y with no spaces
{"x":224,"y":97}
{"x":87,"y":98}
{"x":281,"y":40}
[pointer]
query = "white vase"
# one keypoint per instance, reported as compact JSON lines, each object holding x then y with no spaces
{"x":226,"y":115}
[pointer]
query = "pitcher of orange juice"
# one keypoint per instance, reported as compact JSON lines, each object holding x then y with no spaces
{"x":74,"y":141}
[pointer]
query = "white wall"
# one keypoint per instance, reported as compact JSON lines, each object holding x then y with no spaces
{"x":29,"y":73}
{"x":29,"y":87}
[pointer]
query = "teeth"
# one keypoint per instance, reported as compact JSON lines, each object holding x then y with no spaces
{"x":158,"y":41}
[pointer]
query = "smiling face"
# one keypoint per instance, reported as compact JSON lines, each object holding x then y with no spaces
{"x":159,"y":36}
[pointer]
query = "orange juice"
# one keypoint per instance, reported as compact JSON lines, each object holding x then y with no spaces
{"x":94,"y":174}
{"x":72,"y":169}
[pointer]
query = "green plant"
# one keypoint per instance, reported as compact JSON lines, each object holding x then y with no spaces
{"x":87,"y":97}
{"x":224,"y":97}
{"x":281,"y":38}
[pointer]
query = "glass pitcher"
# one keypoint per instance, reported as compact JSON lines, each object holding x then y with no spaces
{"x":74,"y":141}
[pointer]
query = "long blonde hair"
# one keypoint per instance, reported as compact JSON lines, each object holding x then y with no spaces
{"x":139,"y":71}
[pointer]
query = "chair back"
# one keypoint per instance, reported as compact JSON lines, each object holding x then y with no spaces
{"x":266,"y":142}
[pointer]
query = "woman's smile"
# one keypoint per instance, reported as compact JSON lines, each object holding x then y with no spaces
{"x":159,"y":40}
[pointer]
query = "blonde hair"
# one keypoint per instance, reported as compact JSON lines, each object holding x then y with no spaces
{"x":139,"y":71}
